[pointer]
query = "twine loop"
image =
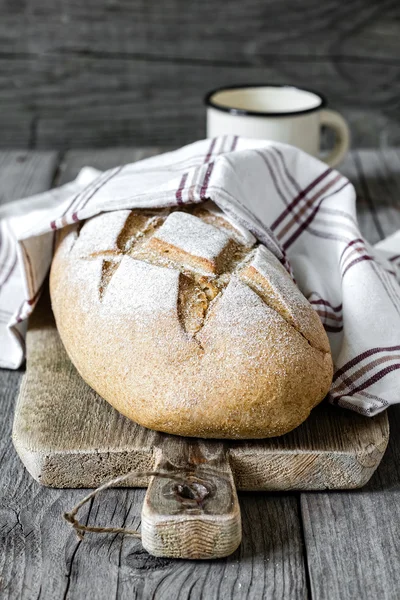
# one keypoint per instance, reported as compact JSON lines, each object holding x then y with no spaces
{"x":188,"y":483}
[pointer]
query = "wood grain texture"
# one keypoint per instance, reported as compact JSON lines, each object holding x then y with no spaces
{"x":193,"y":510}
{"x":41,"y":558}
{"x":67,"y":436}
{"x":268,"y":564}
{"x":25,"y":173}
{"x":353,"y":548}
{"x":349,"y":545}
{"x":24,"y":509}
{"x":35,"y":549}
{"x":113,"y":73}
{"x":358,"y":28}
{"x":99,"y":101}
{"x":102,"y":159}
{"x":361,"y":559}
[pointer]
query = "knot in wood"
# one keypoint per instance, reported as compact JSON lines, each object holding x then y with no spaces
{"x":191,"y":493}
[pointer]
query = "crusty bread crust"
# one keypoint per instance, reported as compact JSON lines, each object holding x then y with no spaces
{"x":186,"y":325}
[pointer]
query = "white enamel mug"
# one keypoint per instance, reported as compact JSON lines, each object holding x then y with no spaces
{"x":281,"y":113}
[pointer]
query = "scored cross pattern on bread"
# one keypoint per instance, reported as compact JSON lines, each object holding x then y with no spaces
{"x":165,"y":312}
{"x":206,"y":249}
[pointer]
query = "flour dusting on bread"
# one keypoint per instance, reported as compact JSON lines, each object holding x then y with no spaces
{"x":184,"y":323}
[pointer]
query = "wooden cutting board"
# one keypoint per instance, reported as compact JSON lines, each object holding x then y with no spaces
{"x":67,"y":436}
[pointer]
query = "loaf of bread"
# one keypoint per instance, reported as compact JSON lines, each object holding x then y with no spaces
{"x":187,"y":325}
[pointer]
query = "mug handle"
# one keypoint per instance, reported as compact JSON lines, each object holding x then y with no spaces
{"x":335,"y":121}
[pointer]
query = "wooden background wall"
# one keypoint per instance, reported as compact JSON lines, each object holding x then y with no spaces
{"x":79,"y":73}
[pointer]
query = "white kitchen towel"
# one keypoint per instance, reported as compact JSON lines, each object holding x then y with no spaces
{"x":298,"y":207}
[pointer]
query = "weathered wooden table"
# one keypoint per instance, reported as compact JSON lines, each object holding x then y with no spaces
{"x":333,"y":545}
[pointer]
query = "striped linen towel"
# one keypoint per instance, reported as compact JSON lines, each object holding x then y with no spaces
{"x":303,"y":211}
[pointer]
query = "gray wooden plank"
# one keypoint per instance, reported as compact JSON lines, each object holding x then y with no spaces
{"x":40,"y":556}
{"x":352,"y":539}
{"x":36,"y":548}
{"x":17,"y":127}
{"x":24,"y":173}
{"x":205,"y":32}
{"x":268,"y":564}
{"x":91,"y":101}
{"x":346,"y":551}
{"x":103,"y":158}
{"x":61,"y":424}
{"x":160,"y":102}
{"x":104,"y":73}
{"x":21,"y":173}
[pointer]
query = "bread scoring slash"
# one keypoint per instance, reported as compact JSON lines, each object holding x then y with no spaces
{"x":187,"y":325}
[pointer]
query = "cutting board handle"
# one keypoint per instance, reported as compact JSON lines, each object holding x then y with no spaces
{"x":192,"y":510}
